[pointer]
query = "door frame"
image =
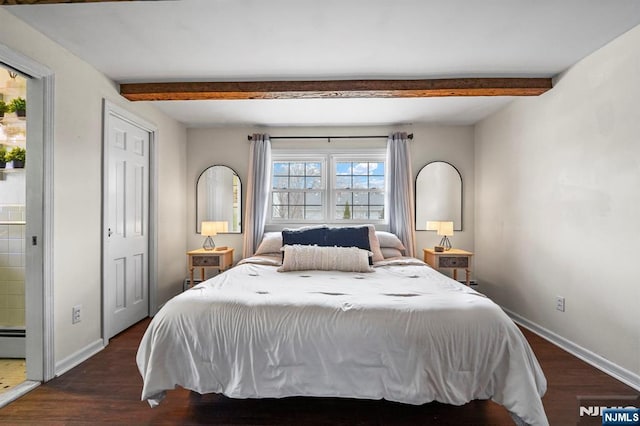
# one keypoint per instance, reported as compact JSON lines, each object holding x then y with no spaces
{"x":111,"y":109}
{"x":39,"y":289}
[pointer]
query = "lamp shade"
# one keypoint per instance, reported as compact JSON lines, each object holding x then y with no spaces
{"x":445,"y":228}
{"x":432,"y":225}
{"x":210,"y":229}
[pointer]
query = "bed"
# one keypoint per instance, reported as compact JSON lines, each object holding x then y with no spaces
{"x":395,"y":330}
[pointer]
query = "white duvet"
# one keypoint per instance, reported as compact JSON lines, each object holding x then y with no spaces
{"x":403,"y":333}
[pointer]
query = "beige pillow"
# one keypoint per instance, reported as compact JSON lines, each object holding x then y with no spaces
{"x":305,"y":258}
{"x":271,"y":243}
{"x":374,"y":244}
{"x":387,"y":239}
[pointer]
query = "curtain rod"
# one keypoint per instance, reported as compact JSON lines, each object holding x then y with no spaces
{"x":409,"y":136}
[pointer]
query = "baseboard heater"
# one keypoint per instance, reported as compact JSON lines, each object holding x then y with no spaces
{"x":10,"y":332}
{"x":12,"y":342}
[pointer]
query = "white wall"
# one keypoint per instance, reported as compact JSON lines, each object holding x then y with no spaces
{"x":558,"y":204}
{"x":229,"y":146}
{"x":79,"y":90}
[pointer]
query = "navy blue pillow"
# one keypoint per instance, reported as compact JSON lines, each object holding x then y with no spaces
{"x":350,"y":237}
{"x":305,"y":237}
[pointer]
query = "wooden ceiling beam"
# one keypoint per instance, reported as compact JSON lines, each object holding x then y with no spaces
{"x":183,"y":91}
{"x":14,"y":2}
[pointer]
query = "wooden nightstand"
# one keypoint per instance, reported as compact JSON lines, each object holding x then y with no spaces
{"x":450,"y":259}
{"x":201,"y":258}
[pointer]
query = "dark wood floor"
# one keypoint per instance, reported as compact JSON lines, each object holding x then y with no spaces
{"x":106,"y":390}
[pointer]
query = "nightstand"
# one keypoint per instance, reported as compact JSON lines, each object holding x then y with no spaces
{"x":451,"y":259}
{"x":216,"y":259}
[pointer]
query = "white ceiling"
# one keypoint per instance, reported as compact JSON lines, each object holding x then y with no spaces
{"x":230,"y":40}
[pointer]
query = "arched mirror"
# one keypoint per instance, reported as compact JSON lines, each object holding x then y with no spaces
{"x":438,"y":195}
{"x":219,"y":198}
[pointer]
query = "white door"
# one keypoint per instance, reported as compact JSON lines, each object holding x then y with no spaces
{"x":126,"y":268}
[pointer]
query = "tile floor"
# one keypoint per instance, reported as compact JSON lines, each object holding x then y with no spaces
{"x":12,"y":372}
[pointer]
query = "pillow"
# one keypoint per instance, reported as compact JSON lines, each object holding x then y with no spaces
{"x":305,"y":236}
{"x":387,"y":239}
{"x":349,"y":236}
{"x":305,"y":257}
{"x":388,"y":252}
{"x":374,"y":244}
{"x":271,"y":243}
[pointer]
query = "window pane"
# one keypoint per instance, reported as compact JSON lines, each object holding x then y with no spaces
{"x":361,"y":198}
{"x":280,"y":198}
{"x":313,"y":183}
{"x":360,"y":212}
{"x":360,"y":169}
{"x":376,"y":198}
{"x":313,"y":198}
{"x":314,"y":169}
{"x":343,"y":182}
{"x":296,"y":212}
{"x":296,"y":198}
{"x":280,"y":182}
{"x":342,"y":197}
{"x":313,"y":213}
{"x":297,"y":169}
{"x":360,"y":182}
{"x":376,"y":212}
{"x":376,"y":169}
{"x":344,"y":212}
{"x":279,"y":212}
{"x":343,"y":168}
{"x":376,"y":182}
{"x":296,"y":182}
{"x":280,"y":169}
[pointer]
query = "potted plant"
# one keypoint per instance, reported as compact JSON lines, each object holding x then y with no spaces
{"x":3,"y":108}
{"x":19,"y":106}
{"x":17,"y":156}
{"x":3,"y":155}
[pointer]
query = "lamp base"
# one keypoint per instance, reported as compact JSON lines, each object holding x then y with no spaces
{"x":208,"y":243}
{"x":444,"y":242}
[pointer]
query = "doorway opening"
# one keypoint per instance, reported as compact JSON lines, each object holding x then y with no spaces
{"x":13,"y":189}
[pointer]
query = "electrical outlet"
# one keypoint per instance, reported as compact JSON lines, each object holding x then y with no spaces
{"x":560,"y":303}
{"x":76,"y":314}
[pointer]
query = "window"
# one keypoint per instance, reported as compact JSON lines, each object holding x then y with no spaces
{"x":359,"y":190}
{"x":328,"y":187}
{"x":297,"y":190}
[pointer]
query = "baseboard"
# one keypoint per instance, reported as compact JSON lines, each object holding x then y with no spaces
{"x":78,"y":357}
{"x":625,"y":376}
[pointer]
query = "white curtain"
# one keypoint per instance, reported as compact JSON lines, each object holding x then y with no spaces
{"x":401,"y":202}
{"x":258,"y":185}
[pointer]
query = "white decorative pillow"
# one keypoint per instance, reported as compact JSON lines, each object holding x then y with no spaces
{"x":304,"y":258}
{"x":387,"y":239}
{"x":271,"y":243}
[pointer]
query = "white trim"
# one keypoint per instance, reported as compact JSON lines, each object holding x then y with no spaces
{"x":620,"y":373}
{"x":78,"y":357}
{"x":109,"y":108}
{"x":40,"y":320}
{"x":17,"y":391}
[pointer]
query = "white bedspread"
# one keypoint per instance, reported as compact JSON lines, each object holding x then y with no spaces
{"x":402,"y":333}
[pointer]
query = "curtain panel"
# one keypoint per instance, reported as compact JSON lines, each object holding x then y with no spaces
{"x":401,"y":201}
{"x":258,"y":186}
